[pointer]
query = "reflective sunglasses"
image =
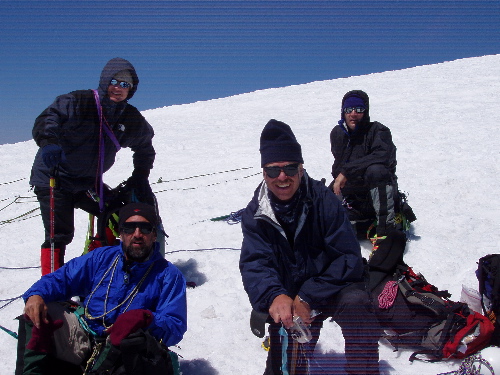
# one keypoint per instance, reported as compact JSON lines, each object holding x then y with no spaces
{"x":144,"y":227}
{"x":357,"y":109}
{"x":290,"y":170}
{"x":122,"y":84}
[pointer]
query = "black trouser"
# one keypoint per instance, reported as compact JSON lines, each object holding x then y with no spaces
{"x":65,"y":203}
{"x":351,"y":310}
{"x":374,"y":196}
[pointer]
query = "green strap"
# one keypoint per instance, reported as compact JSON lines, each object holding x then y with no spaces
{"x":80,"y":313}
{"x":13,"y":334}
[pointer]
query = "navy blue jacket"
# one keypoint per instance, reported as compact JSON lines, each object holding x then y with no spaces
{"x":72,"y":122}
{"x":325,"y":256}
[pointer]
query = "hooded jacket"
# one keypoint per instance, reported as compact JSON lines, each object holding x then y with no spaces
{"x":324,"y":258}
{"x":72,"y":122}
{"x":369,"y":143}
{"x":163,"y":291}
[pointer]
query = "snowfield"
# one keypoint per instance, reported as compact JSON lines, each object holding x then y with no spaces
{"x":443,"y":120}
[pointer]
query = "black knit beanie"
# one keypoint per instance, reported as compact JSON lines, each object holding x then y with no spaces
{"x":145,"y":210}
{"x":278,"y":143}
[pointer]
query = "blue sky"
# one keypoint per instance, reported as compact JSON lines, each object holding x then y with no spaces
{"x":186,"y":51}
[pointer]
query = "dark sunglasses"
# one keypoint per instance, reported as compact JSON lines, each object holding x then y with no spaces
{"x":274,"y":171}
{"x":122,"y":84}
{"x":144,"y":227}
{"x":357,"y":109}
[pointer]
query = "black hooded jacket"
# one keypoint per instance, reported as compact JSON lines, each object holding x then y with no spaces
{"x":354,"y":151}
{"x":72,"y":122}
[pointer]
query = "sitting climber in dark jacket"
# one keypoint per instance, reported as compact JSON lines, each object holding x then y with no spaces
{"x":364,"y":169}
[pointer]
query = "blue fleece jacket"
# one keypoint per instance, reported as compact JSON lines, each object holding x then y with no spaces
{"x":163,"y":290}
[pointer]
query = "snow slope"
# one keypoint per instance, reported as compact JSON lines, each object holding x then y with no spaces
{"x":442,"y":119}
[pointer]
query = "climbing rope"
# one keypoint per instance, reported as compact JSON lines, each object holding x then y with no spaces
{"x":209,"y":185}
{"x":468,"y":366}
{"x":21,"y":217}
{"x":160,"y":180}
{"x":11,"y":182}
{"x":196,"y":250}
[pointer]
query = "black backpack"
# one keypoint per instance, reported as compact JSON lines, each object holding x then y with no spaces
{"x":435,"y":326}
{"x":488,"y":275}
{"x":138,"y":354}
{"x":421,"y":318}
{"x":107,"y":231}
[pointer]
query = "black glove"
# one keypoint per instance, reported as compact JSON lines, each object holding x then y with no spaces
{"x":52,"y":155}
{"x":139,"y":184}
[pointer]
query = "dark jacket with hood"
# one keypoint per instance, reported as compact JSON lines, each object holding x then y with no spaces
{"x":322,"y":258}
{"x":72,"y":122}
{"x":369,"y":143}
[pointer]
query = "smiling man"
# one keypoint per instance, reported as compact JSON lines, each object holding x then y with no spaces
{"x":79,"y":135}
{"x":300,"y":258}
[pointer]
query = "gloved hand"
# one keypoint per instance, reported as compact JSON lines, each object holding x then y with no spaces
{"x":42,"y":338}
{"x":52,"y":155}
{"x":139,"y":183}
{"x":127,"y":323}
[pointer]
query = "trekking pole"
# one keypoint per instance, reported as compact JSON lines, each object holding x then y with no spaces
{"x":52,"y":184}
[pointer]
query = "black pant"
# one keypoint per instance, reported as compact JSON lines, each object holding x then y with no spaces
{"x":351,"y":310}
{"x":65,"y":203}
{"x":373,"y":196}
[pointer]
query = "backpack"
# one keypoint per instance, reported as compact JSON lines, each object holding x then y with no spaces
{"x":107,"y":231}
{"x":488,"y":275}
{"x":138,"y":354}
{"x":448,"y":330}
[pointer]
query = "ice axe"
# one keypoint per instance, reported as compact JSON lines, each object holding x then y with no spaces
{"x":52,"y":185}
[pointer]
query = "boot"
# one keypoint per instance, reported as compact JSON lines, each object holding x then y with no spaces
{"x":45,"y":259}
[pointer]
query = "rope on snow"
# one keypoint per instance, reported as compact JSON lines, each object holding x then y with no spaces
{"x":160,"y":181}
{"x":20,"y":217}
{"x":11,"y":182}
{"x":209,"y":185}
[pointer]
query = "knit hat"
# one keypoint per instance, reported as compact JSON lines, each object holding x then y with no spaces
{"x":278,"y":143}
{"x":145,"y":210}
{"x":124,"y":76}
{"x":353,"y":101}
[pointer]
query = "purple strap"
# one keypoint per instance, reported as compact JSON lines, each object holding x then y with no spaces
{"x":102,"y":125}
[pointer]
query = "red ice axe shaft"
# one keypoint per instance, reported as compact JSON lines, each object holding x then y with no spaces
{"x":52,"y":184}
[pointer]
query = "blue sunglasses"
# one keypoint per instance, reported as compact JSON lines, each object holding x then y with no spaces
{"x":357,"y":109}
{"x":122,"y":84}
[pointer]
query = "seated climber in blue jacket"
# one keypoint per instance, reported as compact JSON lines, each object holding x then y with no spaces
{"x":126,"y":289}
{"x":300,"y":258}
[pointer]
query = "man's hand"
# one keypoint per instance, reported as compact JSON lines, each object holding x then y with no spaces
{"x":281,"y":310}
{"x":36,"y":310}
{"x":302,"y":309}
{"x":52,"y":155}
{"x":339,"y":183}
